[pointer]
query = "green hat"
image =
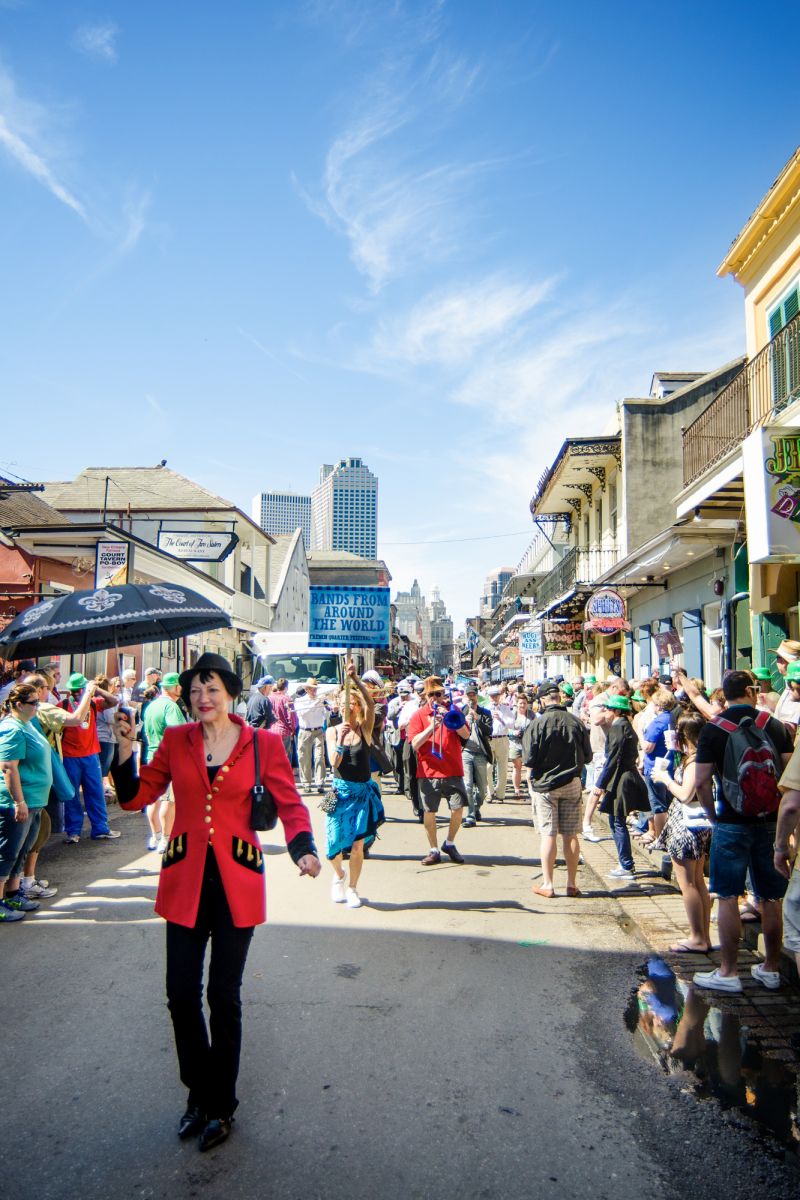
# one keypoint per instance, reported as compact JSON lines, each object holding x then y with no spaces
{"x":764,"y":672}
{"x":792,"y":673}
{"x":171,"y":679}
{"x":590,"y":679}
{"x":76,"y":682}
{"x":620,"y":702}
{"x":638,"y":697}
{"x":567,"y":689}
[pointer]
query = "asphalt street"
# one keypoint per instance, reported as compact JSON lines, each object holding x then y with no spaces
{"x":455,"y":1037}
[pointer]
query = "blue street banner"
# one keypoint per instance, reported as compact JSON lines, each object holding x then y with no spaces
{"x":340,"y":615}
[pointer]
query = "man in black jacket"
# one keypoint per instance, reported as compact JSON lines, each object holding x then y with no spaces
{"x":556,"y":747}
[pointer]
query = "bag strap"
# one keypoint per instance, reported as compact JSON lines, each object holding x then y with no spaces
{"x":762,"y":718}
{"x":258,"y":787}
{"x":724,"y":723}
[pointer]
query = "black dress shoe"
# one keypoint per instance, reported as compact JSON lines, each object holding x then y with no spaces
{"x":192,"y":1122}
{"x":216,"y":1132}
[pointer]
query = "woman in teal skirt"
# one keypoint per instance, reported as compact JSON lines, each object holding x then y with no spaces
{"x":354,"y":822}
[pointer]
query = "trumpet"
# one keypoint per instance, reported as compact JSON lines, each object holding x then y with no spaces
{"x":453,"y":719}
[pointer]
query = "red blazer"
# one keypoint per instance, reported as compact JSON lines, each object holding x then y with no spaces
{"x":216,"y":815}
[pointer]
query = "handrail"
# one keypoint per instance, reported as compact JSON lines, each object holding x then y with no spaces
{"x":764,"y":386}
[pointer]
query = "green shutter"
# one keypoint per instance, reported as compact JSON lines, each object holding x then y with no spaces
{"x":776,"y":321}
{"x":791,"y":306}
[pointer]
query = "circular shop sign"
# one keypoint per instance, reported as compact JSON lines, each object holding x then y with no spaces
{"x":605,"y":612}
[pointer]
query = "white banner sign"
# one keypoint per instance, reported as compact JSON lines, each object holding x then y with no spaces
{"x":110,"y":564}
{"x":195,"y":546}
{"x":771,"y":458}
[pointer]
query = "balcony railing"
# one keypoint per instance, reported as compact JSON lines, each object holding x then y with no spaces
{"x":764,"y":386}
{"x":580,"y":565}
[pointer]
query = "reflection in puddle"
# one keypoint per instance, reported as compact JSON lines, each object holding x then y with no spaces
{"x":676,"y":1024}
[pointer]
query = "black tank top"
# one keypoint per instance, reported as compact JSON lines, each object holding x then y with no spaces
{"x":354,"y":766}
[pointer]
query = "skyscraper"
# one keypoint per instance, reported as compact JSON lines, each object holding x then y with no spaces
{"x":493,"y":588}
{"x":344,"y":509}
{"x":283,"y":512}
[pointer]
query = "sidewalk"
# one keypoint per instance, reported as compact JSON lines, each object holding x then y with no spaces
{"x":655,"y":907}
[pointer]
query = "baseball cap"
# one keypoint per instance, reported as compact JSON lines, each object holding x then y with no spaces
{"x":372,"y":677}
{"x":26,"y":664}
{"x":549,"y":689}
{"x":171,"y":679}
{"x":403,"y":689}
{"x":470,"y":686}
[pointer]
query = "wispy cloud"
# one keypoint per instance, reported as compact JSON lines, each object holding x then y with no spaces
{"x":97,"y":40}
{"x":451,"y":326}
{"x":385,"y":187}
{"x":22,"y":136}
{"x":249,"y":337}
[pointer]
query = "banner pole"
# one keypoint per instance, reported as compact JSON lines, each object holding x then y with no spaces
{"x":348,"y":660}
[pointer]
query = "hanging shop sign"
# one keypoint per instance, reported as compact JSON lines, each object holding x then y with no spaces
{"x":510,"y":657}
{"x":771,"y":457}
{"x":530,"y":640}
{"x":342,"y":615}
{"x":605,"y":612}
{"x":562,"y":637}
{"x":196,"y":545}
{"x":110,"y":564}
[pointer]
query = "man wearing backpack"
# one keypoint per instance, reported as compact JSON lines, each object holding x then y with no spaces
{"x":747,"y":751}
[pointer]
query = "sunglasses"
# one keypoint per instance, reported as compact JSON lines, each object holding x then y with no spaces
{"x":441,"y":692}
{"x":30,"y":702}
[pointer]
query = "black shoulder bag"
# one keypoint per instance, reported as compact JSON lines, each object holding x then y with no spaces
{"x":263,"y":813}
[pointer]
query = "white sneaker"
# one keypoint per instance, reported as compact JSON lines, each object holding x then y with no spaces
{"x":770,"y":979}
{"x":589,"y":834}
{"x":621,"y":873}
{"x":716,"y":982}
{"x":38,"y":891}
{"x":152,"y":841}
{"x":352,"y":899}
{"x":161,"y":845}
{"x":339,"y":890}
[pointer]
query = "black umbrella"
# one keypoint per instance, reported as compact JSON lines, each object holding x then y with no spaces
{"x":108,"y":617}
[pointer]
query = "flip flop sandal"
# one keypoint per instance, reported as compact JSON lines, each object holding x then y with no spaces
{"x":548,"y":893}
{"x":685,"y":948}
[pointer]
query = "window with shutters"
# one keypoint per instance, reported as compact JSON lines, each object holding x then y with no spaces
{"x":612,"y":507}
{"x":785,"y":353}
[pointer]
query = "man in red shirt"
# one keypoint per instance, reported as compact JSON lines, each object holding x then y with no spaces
{"x":440,"y":770}
{"x":81,"y":748}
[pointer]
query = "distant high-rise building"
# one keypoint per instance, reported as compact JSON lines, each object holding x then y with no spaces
{"x":283,"y":512}
{"x":494,"y":586}
{"x":344,"y":509}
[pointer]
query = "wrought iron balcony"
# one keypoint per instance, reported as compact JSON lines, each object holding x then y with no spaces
{"x":580,"y":565}
{"x":765,"y":385}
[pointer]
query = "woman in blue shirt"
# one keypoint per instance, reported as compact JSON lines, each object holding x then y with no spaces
{"x":26,"y":776}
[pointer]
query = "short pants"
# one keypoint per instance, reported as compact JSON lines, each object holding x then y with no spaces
{"x":559,"y":811}
{"x":791,"y":913}
{"x":734,"y":848}
{"x":433,"y":791}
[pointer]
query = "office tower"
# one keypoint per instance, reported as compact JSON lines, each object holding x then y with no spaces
{"x":344,"y":509}
{"x":283,"y":512}
{"x":493,"y":588}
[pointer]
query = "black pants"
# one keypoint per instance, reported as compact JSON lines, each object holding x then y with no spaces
{"x":398,"y":767}
{"x":209,"y":1069}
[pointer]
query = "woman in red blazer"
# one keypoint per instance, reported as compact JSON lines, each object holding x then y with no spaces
{"x":212,"y":877}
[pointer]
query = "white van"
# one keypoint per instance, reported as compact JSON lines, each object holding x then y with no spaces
{"x":287,"y":656}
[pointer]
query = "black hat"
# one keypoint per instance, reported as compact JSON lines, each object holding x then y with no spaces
{"x":549,"y":689}
{"x":212,"y":662}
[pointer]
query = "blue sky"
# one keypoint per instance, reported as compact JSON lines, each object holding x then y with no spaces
{"x":257,"y":237}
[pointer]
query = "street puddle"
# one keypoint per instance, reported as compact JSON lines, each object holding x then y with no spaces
{"x":677,"y":1025}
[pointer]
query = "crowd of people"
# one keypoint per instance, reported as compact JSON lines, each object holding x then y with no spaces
{"x":708,"y":781}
